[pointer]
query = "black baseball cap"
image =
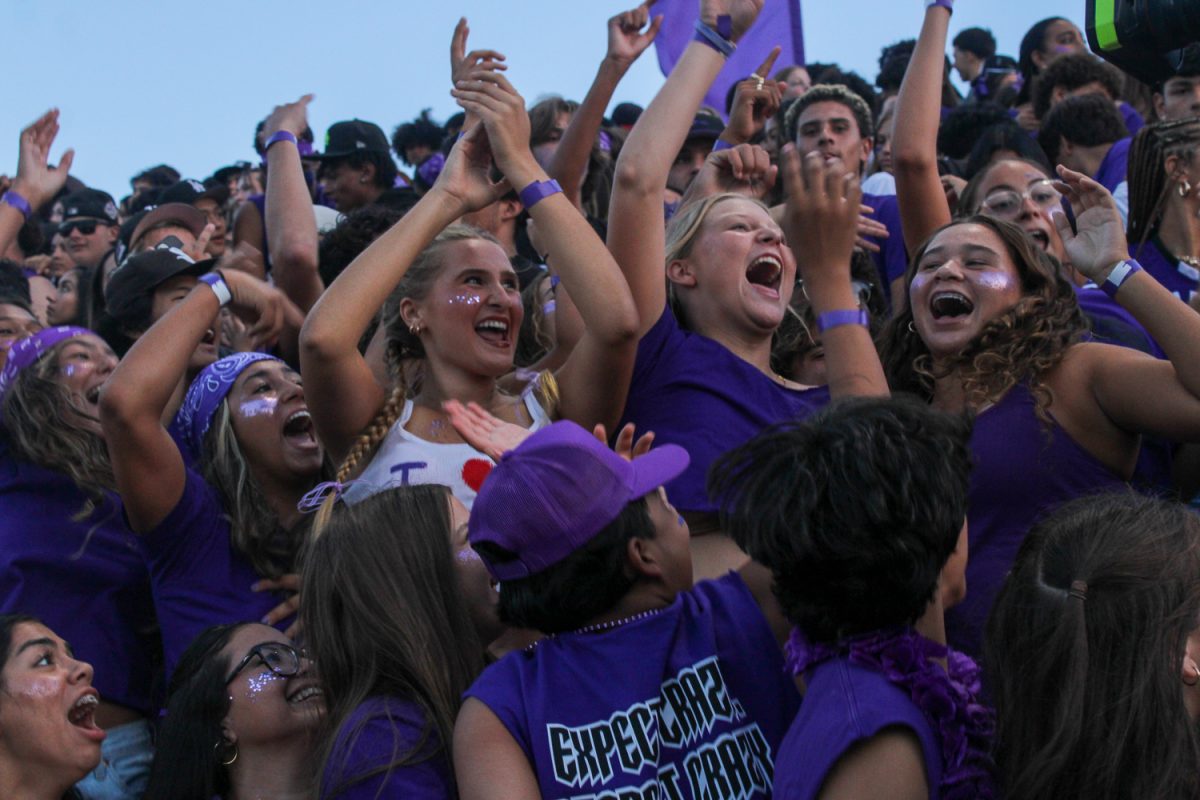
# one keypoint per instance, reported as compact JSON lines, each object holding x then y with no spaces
{"x":352,"y":136}
{"x":706,"y":126}
{"x":189,"y":190}
{"x":185,"y":216}
{"x":626,"y":114}
{"x":90,"y":204}
{"x":137,"y":278}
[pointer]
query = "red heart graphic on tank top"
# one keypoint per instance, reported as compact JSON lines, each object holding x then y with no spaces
{"x":474,"y":472}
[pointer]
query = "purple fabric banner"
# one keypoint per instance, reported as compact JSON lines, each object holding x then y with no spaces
{"x":778,"y":24}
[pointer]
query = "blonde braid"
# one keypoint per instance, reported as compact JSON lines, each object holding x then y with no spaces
{"x":363,"y":446}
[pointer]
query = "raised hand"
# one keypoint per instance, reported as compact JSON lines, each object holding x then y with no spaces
{"x":742,"y":13}
{"x":626,"y":39}
{"x":492,"y":98}
{"x":755,"y":100}
{"x":625,"y":446}
{"x":820,"y":217}
{"x":36,"y":180}
{"x":745,"y":169}
{"x":462,"y":62}
{"x":466,"y":177}
{"x":484,"y":431}
{"x":262,"y":307}
{"x":290,"y":117}
{"x":1098,"y":241}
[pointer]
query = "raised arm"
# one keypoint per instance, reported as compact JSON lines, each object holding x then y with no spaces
{"x":462,"y":62}
{"x":146,"y":461}
{"x":37,"y":181}
{"x":340,"y":389}
{"x":291,"y":225}
{"x":821,"y":221}
{"x":636,"y":235}
{"x":919,"y":193}
{"x":626,"y":41}
{"x":595,"y":378}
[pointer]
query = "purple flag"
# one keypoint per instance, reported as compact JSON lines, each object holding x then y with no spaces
{"x":778,"y":24}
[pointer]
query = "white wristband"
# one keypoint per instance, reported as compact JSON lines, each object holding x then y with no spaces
{"x":219,"y":287}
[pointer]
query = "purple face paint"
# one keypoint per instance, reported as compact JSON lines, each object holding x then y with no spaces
{"x":467,"y":555}
{"x":994,"y":280}
{"x":436,"y":428}
{"x":262,"y":406}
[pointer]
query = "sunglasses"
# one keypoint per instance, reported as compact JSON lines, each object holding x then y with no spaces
{"x":280,"y":658}
{"x":85,"y":226}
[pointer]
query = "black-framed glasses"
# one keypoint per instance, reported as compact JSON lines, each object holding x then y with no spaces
{"x":85,"y":226}
{"x":279,"y":657}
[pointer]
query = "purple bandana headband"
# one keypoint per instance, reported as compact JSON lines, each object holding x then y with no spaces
{"x":205,"y":395}
{"x":28,"y":350}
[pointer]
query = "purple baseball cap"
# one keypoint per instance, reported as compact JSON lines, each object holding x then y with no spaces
{"x":557,"y":490}
{"x":28,"y":350}
{"x":204,"y":396}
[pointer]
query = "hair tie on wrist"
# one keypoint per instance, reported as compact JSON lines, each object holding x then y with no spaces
{"x":11,"y":198}
{"x":834,"y":319}
{"x":537,"y":191}
{"x":946,"y":4}
{"x":720,"y":41}
{"x":281,"y":136}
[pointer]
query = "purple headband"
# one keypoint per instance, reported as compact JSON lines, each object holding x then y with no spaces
{"x":205,"y":395}
{"x":28,"y":350}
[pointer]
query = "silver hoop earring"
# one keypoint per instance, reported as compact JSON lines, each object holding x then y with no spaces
{"x":911,"y":328}
{"x":217,"y":752}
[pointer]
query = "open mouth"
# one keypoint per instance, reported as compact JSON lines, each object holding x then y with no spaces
{"x":298,"y":429}
{"x":493,"y":331}
{"x":83,"y":713}
{"x":304,"y":694}
{"x":765,"y":271}
{"x":949,"y":305}
{"x":93,"y":395}
{"x":1041,"y":237}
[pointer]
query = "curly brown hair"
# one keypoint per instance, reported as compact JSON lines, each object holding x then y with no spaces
{"x":1019,"y":346}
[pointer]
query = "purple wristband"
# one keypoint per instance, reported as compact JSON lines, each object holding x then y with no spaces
{"x":715,"y":38}
{"x":832,"y":319}
{"x":721,"y":144}
{"x":281,"y":136}
{"x":1118,"y":275}
{"x":946,"y":4}
{"x":535,"y":192}
{"x":19,"y":203}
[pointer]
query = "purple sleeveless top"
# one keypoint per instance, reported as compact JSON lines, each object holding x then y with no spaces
{"x":691,"y":702}
{"x":892,"y":258}
{"x":86,"y":580}
{"x":846,"y":704}
{"x":1179,"y":278}
{"x":1022,"y":469}
{"x":691,"y":391}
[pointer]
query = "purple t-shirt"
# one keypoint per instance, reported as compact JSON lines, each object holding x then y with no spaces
{"x":1022,"y":470}
{"x":846,"y":704}
{"x":86,"y":580}
{"x":380,"y":731}
{"x":892,"y":258}
{"x":1112,"y":324}
{"x":1179,"y":278}
{"x":693,"y":392}
{"x":1112,"y":168}
{"x":691,"y":702}
{"x":1133,"y":120}
{"x":199,"y":580}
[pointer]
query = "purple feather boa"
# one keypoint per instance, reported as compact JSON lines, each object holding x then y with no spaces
{"x":949,"y":698}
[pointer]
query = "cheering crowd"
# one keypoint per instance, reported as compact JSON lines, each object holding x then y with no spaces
{"x":842,"y":449}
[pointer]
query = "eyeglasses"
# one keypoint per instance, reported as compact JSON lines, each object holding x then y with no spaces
{"x":85,"y":226}
{"x":280,"y":658}
{"x":1007,"y":203}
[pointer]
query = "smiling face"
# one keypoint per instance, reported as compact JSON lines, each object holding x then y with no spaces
{"x":738,"y":273}
{"x":87,"y":248}
{"x":266,"y":707}
{"x":965,"y":278}
{"x":47,"y":707}
{"x":84,"y":364}
{"x":830,"y":128}
{"x":478,"y":586}
{"x":348,"y":187}
{"x":1038,"y":199}
{"x":271,"y":422}
{"x":472,"y":313}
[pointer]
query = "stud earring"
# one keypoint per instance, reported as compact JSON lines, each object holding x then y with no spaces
{"x":1185,"y":188}
{"x":415,"y":329}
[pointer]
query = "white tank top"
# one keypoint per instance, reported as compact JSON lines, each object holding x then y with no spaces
{"x":404,"y":459}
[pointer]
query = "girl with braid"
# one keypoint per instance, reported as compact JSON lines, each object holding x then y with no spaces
{"x":457,"y":315}
{"x":1164,"y":204}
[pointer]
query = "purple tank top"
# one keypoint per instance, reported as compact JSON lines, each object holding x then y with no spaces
{"x":691,"y":702}
{"x":846,"y":704}
{"x":691,"y":391}
{"x":1179,"y":278}
{"x":1022,"y":469}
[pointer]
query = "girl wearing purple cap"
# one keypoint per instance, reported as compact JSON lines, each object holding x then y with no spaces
{"x":67,"y":554}
{"x":458,"y":314}
{"x":703,"y":376}
{"x":994,"y":329}
{"x":398,"y":625}
{"x":213,"y":531}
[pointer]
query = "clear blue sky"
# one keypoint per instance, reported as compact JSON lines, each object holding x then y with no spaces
{"x":141,"y":82}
